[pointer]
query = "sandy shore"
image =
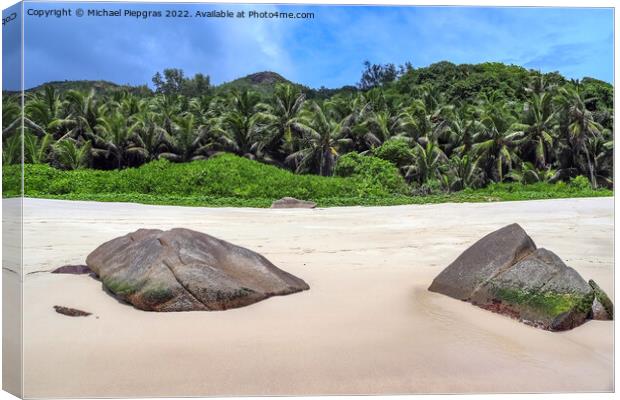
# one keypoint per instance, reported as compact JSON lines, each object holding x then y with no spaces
{"x":367,"y":325}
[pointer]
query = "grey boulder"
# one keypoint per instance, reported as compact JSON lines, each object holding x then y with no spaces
{"x":504,"y":272}
{"x":291,"y":202}
{"x":185,"y":270}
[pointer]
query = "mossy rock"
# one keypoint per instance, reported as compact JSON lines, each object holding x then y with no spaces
{"x":542,"y":290}
{"x":504,"y":272}
{"x":607,"y":311}
{"x":185,"y":270}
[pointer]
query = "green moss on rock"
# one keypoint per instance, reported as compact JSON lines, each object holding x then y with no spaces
{"x":548,"y":303}
{"x":120,"y":287}
{"x":602,"y":297}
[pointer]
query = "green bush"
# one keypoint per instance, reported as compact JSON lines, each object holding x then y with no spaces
{"x":373,"y":171}
{"x":396,"y":151}
{"x":580,"y":182}
{"x":221,"y":177}
{"x":11,"y":180}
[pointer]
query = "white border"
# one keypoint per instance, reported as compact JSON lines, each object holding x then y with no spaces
{"x":496,"y":3}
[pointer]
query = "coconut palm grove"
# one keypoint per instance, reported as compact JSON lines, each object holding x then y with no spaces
{"x":401,"y":135}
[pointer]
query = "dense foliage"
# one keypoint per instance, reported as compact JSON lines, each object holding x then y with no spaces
{"x":402,"y":131}
{"x":228,"y":180}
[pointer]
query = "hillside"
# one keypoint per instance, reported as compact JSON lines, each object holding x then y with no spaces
{"x":99,"y":86}
{"x":261,"y":82}
{"x":456,"y":81}
{"x":82,"y":85}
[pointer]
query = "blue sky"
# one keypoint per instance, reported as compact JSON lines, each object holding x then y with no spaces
{"x":325,"y":51}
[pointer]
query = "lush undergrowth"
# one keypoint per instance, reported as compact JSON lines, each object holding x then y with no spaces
{"x":232,"y":181}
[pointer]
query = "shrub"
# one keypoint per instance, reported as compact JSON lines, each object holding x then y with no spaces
{"x":396,"y":151}
{"x":580,"y":182}
{"x":371,"y":170}
{"x":231,"y":181}
{"x":223,"y":176}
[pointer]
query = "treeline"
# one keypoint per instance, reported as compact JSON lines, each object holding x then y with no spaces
{"x":446,"y":127}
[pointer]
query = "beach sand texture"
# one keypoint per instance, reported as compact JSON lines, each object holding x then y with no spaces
{"x":367,"y":324}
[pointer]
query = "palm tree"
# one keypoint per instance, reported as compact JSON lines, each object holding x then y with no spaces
{"x":129,"y":105}
{"x":70,"y":155}
{"x":461,"y":130}
{"x":497,"y":141}
{"x":13,"y":119}
{"x":12,"y":150}
{"x":601,"y":149}
{"x":341,"y":105}
{"x":464,"y":172}
{"x":166,"y":108}
{"x":384,"y":125}
{"x":82,"y":115}
{"x":36,"y":149}
{"x":428,"y":158}
{"x":276,"y":122}
{"x":44,"y":108}
{"x":529,"y":173}
{"x":239,"y":134}
{"x":320,"y":141}
{"x":538,"y":85}
{"x":579,"y":125}
{"x":355,"y":126}
{"x":113,"y":137}
{"x":207,"y":108}
{"x":239,"y":130}
{"x":187,"y":140}
{"x":537,"y":128}
{"x":148,"y":139}
{"x":426,"y":118}
{"x":246,"y":102}
{"x":11,"y":111}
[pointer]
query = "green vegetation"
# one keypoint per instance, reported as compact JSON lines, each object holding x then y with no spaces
{"x":87,"y":85}
{"x":404,"y":135}
{"x":549,"y":303}
{"x":231,"y":181}
{"x":263,"y":82}
{"x":373,"y":171}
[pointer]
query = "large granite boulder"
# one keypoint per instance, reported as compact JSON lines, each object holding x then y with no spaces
{"x":291,"y":202}
{"x":185,"y":270}
{"x":505,"y":272}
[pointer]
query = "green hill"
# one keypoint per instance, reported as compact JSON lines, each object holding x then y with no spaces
{"x":261,"y":82}
{"x":100,"y":87}
{"x":85,"y":85}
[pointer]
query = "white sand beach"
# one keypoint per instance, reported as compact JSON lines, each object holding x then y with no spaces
{"x":367,"y":324}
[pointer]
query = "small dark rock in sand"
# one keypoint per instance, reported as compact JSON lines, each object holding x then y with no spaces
{"x":291,"y":202}
{"x":506,"y":273}
{"x":71,"y":312}
{"x":73,"y":269}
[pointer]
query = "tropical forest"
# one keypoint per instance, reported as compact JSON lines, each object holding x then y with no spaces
{"x":401,"y":135}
